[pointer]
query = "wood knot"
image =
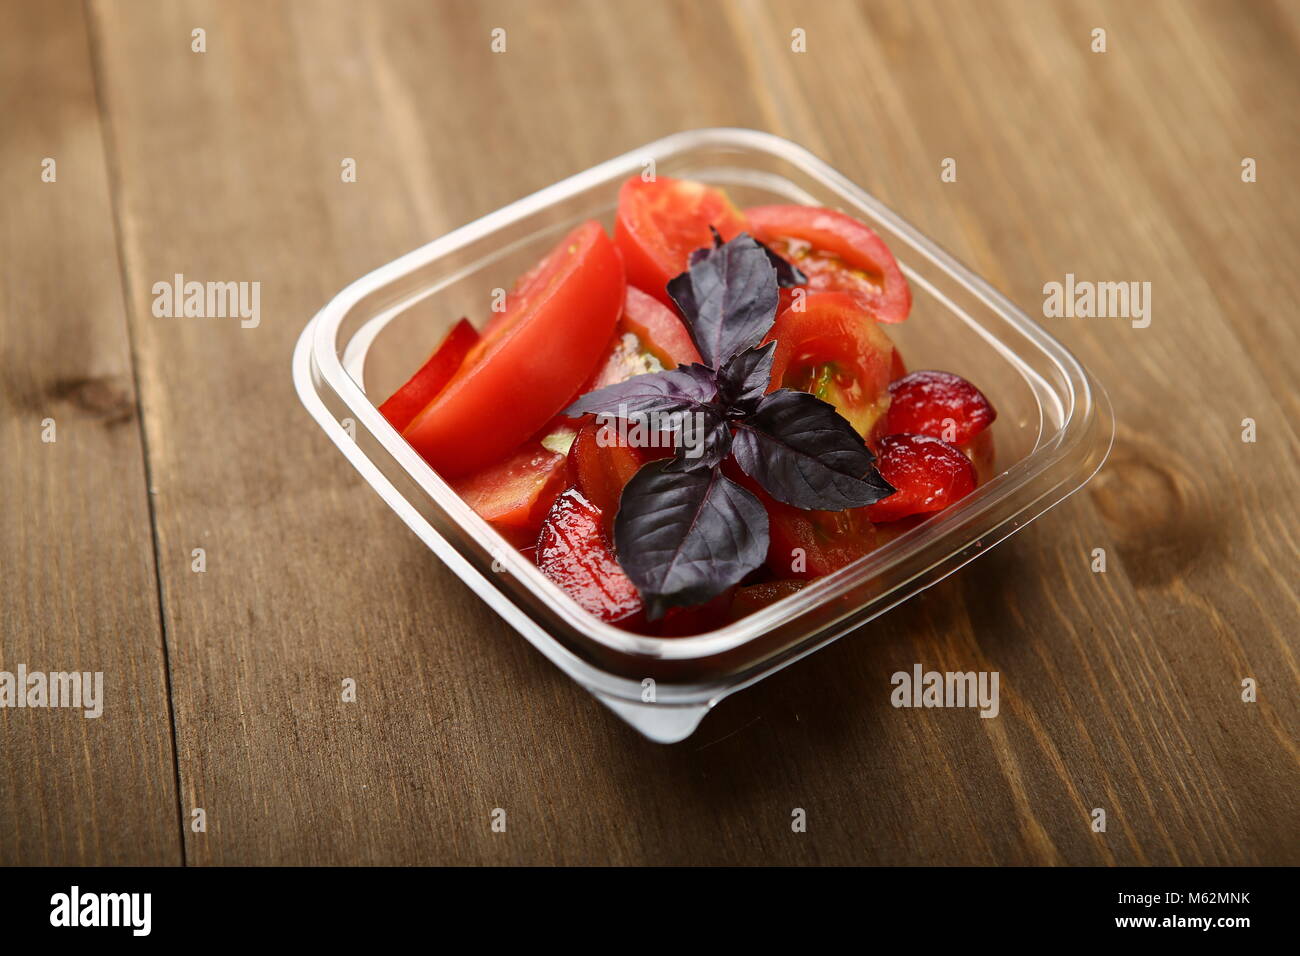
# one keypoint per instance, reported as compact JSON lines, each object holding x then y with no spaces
{"x":99,"y":397}
{"x":1144,"y":502}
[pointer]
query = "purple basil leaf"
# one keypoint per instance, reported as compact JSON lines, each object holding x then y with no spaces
{"x":728,"y":298}
{"x":803,"y":453}
{"x":684,"y":537}
{"x":703,"y":439}
{"x":787,"y":273}
{"x":672,"y":390}
{"x":745,"y":378}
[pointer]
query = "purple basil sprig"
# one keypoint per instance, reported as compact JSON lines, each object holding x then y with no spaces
{"x":684,"y":532}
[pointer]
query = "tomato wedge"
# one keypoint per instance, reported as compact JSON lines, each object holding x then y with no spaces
{"x":600,"y":466}
{"x":514,"y":494}
{"x":838,"y":254}
{"x":524,"y":290}
{"x":831,"y":350}
{"x":424,"y":386}
{"x":527,"y":367}
{"x":661,"y":222}
{"x":659,"y":330}
{"x":649,"y":338}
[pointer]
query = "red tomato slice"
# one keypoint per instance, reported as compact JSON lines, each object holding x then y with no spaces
{"x":649,"y":337}
{"x":600,"y":470}
{"x":809,"y":544}
{"x":515,"y":494}
{"x":832,"y":351}
{"x":837,"y":254}
{"x":518,"y":377}
{"x":424,"y":386}
{"x":600,"y":466}
{"x":572,"y":552}
{"x":661,"y":332}
{"x":660,"y":223}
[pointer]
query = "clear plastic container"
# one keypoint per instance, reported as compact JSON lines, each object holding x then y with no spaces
{"x":1053,"y":432}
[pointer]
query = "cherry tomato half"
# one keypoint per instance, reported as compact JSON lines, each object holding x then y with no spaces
{"x":833,"y":351}
{"x":649,"y":338}
{"x":524,"y":371}
{"x":433,"y":376}
{"x":837,"y":254}
{"x":940,"y":404}
{"x":660,"y":223}
{"x":929,"y":473}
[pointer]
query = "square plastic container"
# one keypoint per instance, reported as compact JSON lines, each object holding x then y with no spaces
{"x":1053,"y":432}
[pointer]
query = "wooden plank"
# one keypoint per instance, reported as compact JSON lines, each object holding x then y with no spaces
{"x":1102,"y":146}
{"x":80,"y":591}
{"x":229,"y":165}
{"x":1119,"y":690}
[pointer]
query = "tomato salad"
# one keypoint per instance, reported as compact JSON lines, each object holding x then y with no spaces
{"x":691,"y":419}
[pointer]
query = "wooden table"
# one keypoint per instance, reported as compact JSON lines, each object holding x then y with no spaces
{"x":1120,"y":690}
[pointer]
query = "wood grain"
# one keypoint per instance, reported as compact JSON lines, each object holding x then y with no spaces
{"x":1119,"y":690}
{"x":78,"y":570}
